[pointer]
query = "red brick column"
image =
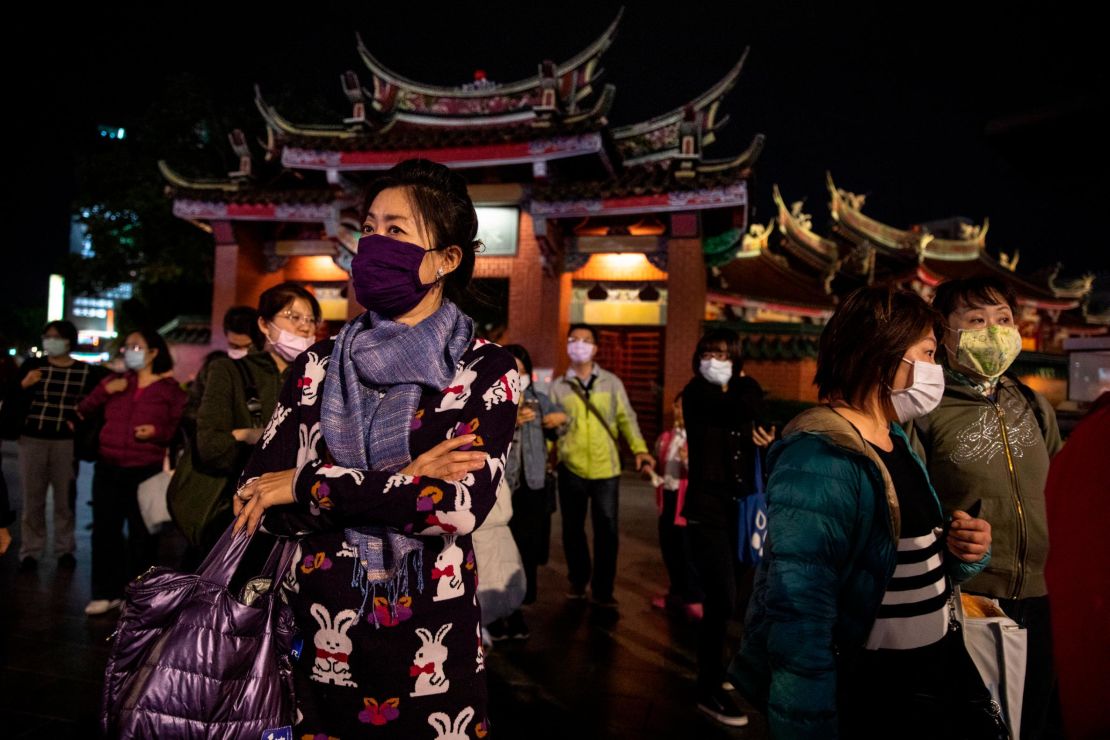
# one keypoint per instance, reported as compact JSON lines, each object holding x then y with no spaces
{"x":225,"y":278}
{"x":685,"y":314}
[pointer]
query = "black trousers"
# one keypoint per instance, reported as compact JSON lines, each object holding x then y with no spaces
{"x":678,"y":557}
{"x":1040,"y":708}
{"x":600,"y":497}
{"x":115,"y":501}
{"x":713,"y":544}
{"x":531,"y":528}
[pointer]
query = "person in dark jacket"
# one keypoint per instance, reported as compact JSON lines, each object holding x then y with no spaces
{"x":52,"y":387}
{"x":526,"y":474}
{"x":241,"y":394}
{"x":142,"y":408}
{"x":720,"y":406}
{"x":848,"y":627}
{"x":991,"y":440}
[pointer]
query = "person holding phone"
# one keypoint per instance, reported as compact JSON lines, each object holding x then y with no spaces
{"x":599,"y":413}
{"x":526,"y":474}
{"x":720,"y":405}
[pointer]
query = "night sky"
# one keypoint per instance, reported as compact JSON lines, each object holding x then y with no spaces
{"x":931,"y":113}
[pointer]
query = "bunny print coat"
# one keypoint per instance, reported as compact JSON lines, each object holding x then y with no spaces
{"x":405,"y":661}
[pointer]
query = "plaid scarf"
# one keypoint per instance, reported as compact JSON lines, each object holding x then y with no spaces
{"x":377,"y":371}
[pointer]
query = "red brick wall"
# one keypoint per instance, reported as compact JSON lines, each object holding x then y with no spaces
{"x":785,"y":379}
{"x":685,"y":313}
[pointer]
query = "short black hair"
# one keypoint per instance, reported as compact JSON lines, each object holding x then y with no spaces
{"x":863,"y":344}
{"x":163,"y":361}
{"x":981,"y":290}
{"x":587,"y":327}
{"x":518,"y":351}
{"x":713,"y":339}
{"x":64,"y":328}
{"x":244,"y":320}
{"x":276,"y":299}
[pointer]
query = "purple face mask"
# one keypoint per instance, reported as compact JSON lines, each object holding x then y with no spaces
{"x":386,"y":275}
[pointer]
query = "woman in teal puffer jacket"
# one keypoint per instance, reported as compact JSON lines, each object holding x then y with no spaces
{"x":848,"y":629}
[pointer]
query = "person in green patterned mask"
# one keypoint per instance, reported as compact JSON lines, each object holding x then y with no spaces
{"x":991,"y":440}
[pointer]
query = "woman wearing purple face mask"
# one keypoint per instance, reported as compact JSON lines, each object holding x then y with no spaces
{"x":386,"y":451}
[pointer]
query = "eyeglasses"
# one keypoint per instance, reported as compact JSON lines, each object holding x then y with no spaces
{"x":299,"y":319}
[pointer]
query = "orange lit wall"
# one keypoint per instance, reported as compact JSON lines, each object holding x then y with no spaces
{"x":785,"y":379}
{"x":630,"y":266}
{"x":1054,"y":389}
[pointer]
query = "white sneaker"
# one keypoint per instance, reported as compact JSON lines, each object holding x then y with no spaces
{"x":101,"y":606}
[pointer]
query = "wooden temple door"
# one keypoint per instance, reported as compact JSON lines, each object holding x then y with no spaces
{"x":635,"y":355}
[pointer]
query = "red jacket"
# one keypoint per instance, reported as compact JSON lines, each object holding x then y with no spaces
{"x":160,"y":404}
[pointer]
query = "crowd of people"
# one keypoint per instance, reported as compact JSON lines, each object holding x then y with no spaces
{"x":406,"y":454}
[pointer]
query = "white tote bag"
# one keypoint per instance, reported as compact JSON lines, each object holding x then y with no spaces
{"x":998,"y":646}
{"x":152,"y":499}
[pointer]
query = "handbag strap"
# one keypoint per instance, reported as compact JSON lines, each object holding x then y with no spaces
{"x":581,"y":393}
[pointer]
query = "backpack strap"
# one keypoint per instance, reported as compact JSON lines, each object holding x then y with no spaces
{"x":250,"y":392}
{"x":1031,"y":398}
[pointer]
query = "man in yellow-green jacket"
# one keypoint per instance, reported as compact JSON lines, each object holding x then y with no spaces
{"x":598,"y":412}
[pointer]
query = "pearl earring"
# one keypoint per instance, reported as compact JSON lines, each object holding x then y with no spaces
{"x":439,"y":274}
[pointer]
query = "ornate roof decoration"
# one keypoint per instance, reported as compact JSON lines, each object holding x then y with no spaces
{"x":1077,"y":288}
{"x":799,"y":238}
{"x":681,"y":133}
{"x":846,"y":209}
{"x":556,"y":86}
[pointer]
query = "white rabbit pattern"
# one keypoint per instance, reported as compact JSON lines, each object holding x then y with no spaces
{"x":457,"y":392}
{"x":338,"y":471}
{"x":481,"y":659}
{"x":315,"y":368}
{"x":333,"y":646}
{"x":308,"y":439}
{"x":447,"y":571}
{"x":461,"y":520}
{"x":427,"y":664}
{"x":396,"y":481}
{"x":275,"y":421}
{"x":506,"y":389}
{"x":444,"y":728}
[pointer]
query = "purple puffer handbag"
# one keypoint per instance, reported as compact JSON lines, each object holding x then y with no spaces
{"x":192,"y":661}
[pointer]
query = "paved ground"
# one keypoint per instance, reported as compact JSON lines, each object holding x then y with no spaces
{"x":581,"y":675}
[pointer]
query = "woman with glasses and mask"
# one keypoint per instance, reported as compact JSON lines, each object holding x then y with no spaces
{"x":240,"y":395}
{"x":385,"y":471}
{"x":720,"y":406}
{"x":849,"y":629}
{"x":142,"y":408}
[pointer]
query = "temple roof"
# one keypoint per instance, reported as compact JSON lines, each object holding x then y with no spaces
{"x":654,"y":180}
{"x":799,"y":238}
{"x":934,"y":271}
{"x":767,"y":281}
{"x":658,"y":138}
{"x":391,"y":92}
{"x":846,"y":210}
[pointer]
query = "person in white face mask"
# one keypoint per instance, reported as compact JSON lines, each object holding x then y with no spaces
{"x":240,"y":396}
{"x":848,"y":627}
{"x":142,"y":408}
{"x":991,"y":439}
{"x":599,"y":413}
{"x":48,"y":391}
{"x":721,"y":407}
